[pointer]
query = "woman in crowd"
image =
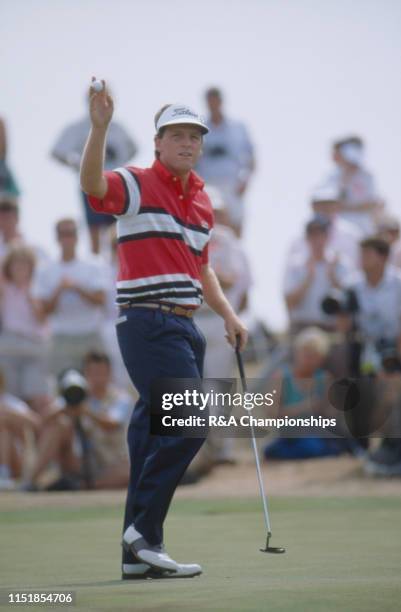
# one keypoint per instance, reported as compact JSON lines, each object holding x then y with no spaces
{"x":24,"y":333}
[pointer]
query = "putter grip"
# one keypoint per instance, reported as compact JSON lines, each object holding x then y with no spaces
{"x":241,"y":366}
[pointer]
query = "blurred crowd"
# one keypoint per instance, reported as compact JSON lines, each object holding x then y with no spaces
{"x":65,"y":397}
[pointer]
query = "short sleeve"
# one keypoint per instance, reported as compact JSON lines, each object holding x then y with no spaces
{"x":123,"y":195}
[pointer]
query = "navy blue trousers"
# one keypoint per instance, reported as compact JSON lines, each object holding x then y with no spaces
{"x":155,"y":345}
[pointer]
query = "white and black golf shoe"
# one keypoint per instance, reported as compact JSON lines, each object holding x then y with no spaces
{"x":142,"y":571}
{"x":155,"y":558}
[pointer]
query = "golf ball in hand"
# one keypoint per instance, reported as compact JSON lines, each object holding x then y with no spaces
{"x":97,"y":86}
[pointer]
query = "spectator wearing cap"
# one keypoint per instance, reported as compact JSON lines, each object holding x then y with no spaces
{"x":310,"y":276}
{"x":228,"y":158}
{"x":24,"y":334}
{"x":72,"y":292}
{"x":67,"y":150}
{"x":343,"y":237}
{"x":359,"y":202}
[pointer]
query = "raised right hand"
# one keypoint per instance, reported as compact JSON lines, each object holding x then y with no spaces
{"x":101,"y":106}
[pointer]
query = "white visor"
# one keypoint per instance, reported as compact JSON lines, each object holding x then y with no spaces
{"x":178,"y":114}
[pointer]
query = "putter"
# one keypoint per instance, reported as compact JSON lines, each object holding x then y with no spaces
{"x":267,"y":549}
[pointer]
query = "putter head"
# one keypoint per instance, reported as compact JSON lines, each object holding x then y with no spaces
{"x":275,"y":550}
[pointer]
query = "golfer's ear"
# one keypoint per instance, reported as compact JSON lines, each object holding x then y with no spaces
{"x":157,"y":144}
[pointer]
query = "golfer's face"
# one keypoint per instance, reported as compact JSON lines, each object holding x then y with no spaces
{"x":180,"y":147}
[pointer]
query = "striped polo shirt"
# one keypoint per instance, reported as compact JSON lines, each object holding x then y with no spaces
{"x":162,"y":232}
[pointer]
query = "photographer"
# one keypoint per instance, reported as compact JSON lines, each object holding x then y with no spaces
{"x":378,"y":329}
{"x":85,"y":434}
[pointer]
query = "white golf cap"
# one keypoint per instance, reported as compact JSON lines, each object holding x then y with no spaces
{"x":178,"y":114}
{"x":352,"y":153}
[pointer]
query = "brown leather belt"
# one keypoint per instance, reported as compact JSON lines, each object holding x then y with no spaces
{"x":177,"y":310}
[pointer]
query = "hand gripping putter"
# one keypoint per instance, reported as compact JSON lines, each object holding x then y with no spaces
{"x":268,"y":549}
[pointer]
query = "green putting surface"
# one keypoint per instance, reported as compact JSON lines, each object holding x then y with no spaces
{"x":342,"y":554}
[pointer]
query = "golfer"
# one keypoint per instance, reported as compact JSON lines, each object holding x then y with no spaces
{"x":164,"y":220}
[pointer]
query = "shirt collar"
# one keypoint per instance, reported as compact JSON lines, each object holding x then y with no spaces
{"x":194,"y":182}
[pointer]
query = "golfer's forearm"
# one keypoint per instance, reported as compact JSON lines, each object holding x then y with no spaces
{"x":91,"y":175}
{"x":213,"y":294}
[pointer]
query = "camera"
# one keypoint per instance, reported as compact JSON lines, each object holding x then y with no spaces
{"x":340,"y":302}
{"x":73,"y":387}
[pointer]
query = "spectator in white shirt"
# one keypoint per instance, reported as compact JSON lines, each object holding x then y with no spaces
{"x":72,"y":292}
{"x":228,"y":159}
{"x":359,"y":202}
{"x":310,"y":277}
{"x":378,"y":292}
{"x":24,"y":334}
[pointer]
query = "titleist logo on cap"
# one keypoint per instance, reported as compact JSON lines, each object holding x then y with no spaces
{"x":183,"y":110}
